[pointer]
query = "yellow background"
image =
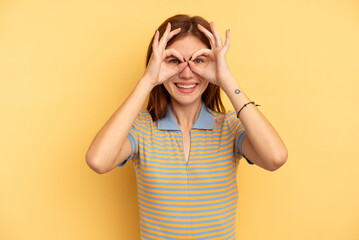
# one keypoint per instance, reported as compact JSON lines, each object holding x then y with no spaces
{"x":66,"y":66}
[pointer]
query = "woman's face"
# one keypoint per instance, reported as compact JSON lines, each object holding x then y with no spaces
{"x":185,"y":87}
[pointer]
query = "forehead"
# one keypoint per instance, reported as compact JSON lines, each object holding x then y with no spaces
{"x":187,"y":46}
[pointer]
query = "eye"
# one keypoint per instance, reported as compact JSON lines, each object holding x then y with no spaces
{"x":198,"y":60}
{"x":174,"y":61}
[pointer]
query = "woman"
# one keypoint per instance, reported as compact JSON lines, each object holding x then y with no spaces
{"x":185,"y":147}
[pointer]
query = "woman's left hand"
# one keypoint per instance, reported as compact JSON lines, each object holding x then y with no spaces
{"x":216,"y":69}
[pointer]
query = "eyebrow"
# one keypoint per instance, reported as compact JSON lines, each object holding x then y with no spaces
{"x":172,"y":56}
{"x":202,"y":55}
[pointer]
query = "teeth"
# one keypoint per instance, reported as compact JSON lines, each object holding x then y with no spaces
{"x":186,"y":86}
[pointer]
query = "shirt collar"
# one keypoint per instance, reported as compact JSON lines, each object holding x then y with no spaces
{"x":205,"y":120}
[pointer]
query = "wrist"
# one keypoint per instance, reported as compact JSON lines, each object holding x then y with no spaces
{"x":229,"y":85}
{"x":146,"y":83}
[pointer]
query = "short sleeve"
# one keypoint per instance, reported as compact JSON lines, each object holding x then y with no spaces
{"x":239,"y":145}
{"x":133,"y":137}
{"x":239,"y":134}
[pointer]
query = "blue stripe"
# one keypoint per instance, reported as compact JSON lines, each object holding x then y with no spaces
{"x":160,"y":148}
{"x":157,"y":235}
{"x":183,"y":174}
{"x":202,"y":178}
{"x":189,"y":193}
{"x":222,"y":136}
{"x":209,"y":168}
{"x":185,"y":189}
{"x":173,"y":143}
{"x":216,"y":133}
{"x":182,"y":162}
{"x":192,"y":205}
{"x":179,"y":225}
{"x":149,"y":133}
{"x":191,"y":208}
{"x":148,"y":144}
{"x":181,"y":157}
{"x":230,"y":216}
{"x":182,"y":200}
{"x":146,"y":238}
{"x":186,"y":233}
{"x":190,"y":184}
{"x":182,"y":166}
{"x":185,"y":217}
{"x":221,"y":235}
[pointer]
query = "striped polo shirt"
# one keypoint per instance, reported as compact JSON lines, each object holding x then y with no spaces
{"x":196,"y":199}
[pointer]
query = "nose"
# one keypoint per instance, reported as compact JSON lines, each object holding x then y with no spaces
{"x":186,"y":73}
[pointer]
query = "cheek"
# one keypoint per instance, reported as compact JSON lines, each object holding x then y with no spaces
{"x":169,"y":82}
{"x":205,"y":86}
{"x":167,"y":85}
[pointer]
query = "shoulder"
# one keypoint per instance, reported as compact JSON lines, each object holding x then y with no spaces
{"x":144,"y":114}
{"x":144,"y":118}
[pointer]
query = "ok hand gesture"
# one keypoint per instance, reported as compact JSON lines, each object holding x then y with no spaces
{"x":211,"y":64}
{"x":158,"y":71}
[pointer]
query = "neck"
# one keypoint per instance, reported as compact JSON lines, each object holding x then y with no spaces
{"x":186,"y":115}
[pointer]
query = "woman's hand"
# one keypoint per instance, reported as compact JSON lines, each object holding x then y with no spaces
{"x":158,"y":70}
{"x":211,"y":64}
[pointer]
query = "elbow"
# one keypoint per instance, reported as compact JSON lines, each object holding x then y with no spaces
{"x":278,"y":160}
{"x":94,"y":164}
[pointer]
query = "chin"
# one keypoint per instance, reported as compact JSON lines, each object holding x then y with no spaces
{"x":185,"y":100}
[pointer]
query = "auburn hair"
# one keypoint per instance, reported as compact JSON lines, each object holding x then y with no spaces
{"x":159,"y":97}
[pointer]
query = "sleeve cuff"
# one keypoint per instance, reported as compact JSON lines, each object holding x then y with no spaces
{"x":133,"y":151}
{"x":239,"y":145}
{"x":248,"y":160}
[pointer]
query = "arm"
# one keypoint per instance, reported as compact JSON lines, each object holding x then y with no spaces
{"x":110,"y":147}
{"x":262,"y":145}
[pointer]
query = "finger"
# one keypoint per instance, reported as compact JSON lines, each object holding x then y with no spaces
{"x":155,"y":41}
{"x":216,"y":35}
{"x":202,"y":51}
{"x":182,"y":66}
{"x":172,"y":33}
{"x":172,"y":71}
{"x":227,"y":44}
{"x":208,"y":34}
{"x":172,"y":52}
{"x":164,"y":37}
{"x":195,"y":69}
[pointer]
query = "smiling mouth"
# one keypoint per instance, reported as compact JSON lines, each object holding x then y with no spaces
{"x":186,"y":86}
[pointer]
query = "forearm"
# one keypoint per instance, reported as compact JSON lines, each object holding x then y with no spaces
{"x":111,"y":137}
{"x":264,"y":138}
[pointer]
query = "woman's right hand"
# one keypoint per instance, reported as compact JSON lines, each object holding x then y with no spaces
{"x":164,"y":63}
